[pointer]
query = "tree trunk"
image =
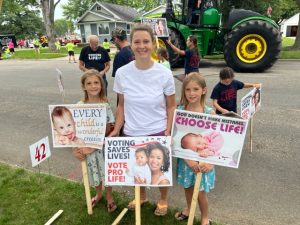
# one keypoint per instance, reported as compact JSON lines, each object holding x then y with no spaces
{"x":48,"y":8}
{"x":297,"y":41}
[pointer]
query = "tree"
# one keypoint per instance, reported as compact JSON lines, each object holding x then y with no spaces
{"x":76,"y":8}
{"x":48,"y":8}
{"x":297,"y":41}
{"x":21,"y":18}
{"x":62,"y":26}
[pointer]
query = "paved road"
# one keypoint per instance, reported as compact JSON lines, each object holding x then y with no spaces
{"x":263,"y":191}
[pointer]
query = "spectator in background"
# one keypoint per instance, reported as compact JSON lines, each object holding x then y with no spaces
{"x":94,"y":57}
{"x":125,"y":54}
{"x":11,"y":47}
{"x":106,"y":45}
{"x":36,"y":43}
{"x":70,"y":48}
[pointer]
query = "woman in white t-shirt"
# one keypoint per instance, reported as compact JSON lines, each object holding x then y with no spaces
{"x":146,"y":93}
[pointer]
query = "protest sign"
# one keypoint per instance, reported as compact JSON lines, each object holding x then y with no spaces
{"x":39,"y":151}
{"x":208,"y":138}
{"x":158,"y":25}
{"x":251,"y":103}
{"x":78,"y":125}
{"x":138,"y":161}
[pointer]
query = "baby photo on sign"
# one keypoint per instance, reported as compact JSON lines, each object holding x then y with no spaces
{"x":159,"y":26}
{"x":138,"y":161}
{"x":208,"y":138}
{"x":78,"y":125}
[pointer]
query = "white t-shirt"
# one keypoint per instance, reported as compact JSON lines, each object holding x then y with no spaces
{"x":144,"y":97}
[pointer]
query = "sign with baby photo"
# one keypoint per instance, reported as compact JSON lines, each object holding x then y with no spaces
{"x":78,"y":125}
{"x":138,"y":161}
{"x":208,"y":138}
{"x":158,"y":25}
{"x":251,"y":103}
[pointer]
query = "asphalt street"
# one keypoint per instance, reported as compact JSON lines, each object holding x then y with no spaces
{"x":264,"y":190}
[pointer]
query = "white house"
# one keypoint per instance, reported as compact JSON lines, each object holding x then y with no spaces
{"x":101,"y":18}
{"x":289,"y":27}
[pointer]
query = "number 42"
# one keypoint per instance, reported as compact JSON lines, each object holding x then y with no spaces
{"x":38,"y":156}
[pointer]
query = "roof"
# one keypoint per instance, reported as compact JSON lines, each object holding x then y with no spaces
{"x":117,"y":12}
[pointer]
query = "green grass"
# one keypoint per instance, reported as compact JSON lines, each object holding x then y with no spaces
{"x":27,"y":198}
{"x":287,"y":42}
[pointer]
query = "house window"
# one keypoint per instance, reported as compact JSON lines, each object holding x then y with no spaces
{"x":128,"y":28}
{"x":98,"y":8}
{"x":103,"y":29}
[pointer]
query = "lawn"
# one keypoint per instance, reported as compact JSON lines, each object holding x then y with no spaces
{"x":27,"y":198}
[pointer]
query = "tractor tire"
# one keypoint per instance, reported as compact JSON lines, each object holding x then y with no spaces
{"x":175,"y":59}
{"x":253,"y":46}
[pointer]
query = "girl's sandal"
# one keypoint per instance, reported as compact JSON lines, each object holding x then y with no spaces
{"x":111,"y":207}
{"x":95,"y":201}
{"x":131,"y":205}
{"x":180,"y":216}
{"x":161,"y":210}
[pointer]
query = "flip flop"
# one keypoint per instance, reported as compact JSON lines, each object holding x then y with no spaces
{"x":161,"y":209}
{"x":180,"y":216}
{"x":95,"y":201}
{"x":131,"y":205}
{"x":111,"y":207}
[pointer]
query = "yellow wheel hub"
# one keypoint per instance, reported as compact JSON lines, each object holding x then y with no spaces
{"x":251,"y":48}
{"x":160,"y":43}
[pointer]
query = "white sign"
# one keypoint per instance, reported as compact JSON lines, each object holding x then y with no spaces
{"x":39,"y":151}
{"x":138,"y":161}
{"x":208,"y":138}
{"x":78,"y":125}
{"x":251,"y":103}
{"x":158,"y":25}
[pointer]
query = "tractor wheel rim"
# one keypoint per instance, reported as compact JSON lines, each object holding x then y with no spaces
{"x":251,"y":48}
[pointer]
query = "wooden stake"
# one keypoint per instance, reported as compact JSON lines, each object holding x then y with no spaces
{"x":120,"y":216}
{"x":251,"y":134}
{"x":195,"y":199}
{"x":54,"y":217}
{"x":137,"y":193}
{"x":86,"y":187}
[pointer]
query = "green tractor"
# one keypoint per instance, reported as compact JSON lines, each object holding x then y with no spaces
{"x":249,"y":41}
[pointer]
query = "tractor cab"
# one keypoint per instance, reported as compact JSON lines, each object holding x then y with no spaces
{"x":200,"y":13}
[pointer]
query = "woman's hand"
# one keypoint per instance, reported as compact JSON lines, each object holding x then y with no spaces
{"x":114,"y":133}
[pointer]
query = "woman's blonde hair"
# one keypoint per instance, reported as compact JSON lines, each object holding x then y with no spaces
{"x":198,"y":79}
{"x":90,"y":73}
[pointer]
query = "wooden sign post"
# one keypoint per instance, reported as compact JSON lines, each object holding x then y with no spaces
{"x":137,"y":193}
{"x":86,"y":187}
{"x":251,"y":134}
{"x":120,"y":216}
{"x":195,"y":199}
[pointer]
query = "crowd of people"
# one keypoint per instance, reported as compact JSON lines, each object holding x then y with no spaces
{"x":145,"y":107}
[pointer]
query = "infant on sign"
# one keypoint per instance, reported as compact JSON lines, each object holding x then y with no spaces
{"x":204,"y":145}
{"x":64,"y":126}
{"x":140,"y":168}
